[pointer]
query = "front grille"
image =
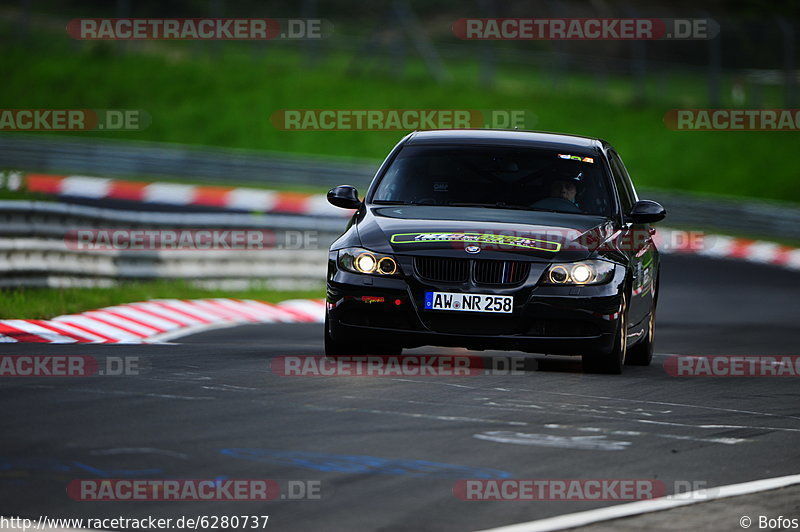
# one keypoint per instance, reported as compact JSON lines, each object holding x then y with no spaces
{"x":497,"y":272}
{"x":442,"y":269}
{"x":501,"y":271}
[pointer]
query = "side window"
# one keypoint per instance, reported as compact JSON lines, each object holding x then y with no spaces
{"x":627,"y":179}
{"x":621,"y":181}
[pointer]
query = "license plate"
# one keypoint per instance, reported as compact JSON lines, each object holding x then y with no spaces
{"x":469,"y":302}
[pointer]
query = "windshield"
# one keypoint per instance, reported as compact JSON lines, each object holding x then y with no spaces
{"x":497,"y":177}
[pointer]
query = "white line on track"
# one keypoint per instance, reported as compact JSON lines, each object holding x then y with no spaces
{"x":621,"y":399}
{"x":608,"y":513}
{"x":415,"y":415}
{"x":579,"y":428}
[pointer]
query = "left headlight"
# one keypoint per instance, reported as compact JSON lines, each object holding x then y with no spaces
{"x":358,"y":260}
{"x":579,"y":273}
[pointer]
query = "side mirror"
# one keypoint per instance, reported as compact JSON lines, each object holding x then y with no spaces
{"x":344,"y":196}
{"x":647,"y":212}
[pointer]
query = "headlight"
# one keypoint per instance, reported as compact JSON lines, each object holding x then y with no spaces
{"x":579,"y":273}
{"x":358,"y":260}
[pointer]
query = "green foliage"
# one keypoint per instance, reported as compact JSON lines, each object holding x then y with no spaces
{"x":195,"y":97}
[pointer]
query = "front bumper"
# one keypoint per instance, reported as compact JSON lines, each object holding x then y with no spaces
{"x":545,"y":319}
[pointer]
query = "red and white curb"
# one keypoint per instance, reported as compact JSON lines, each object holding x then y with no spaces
{"x":239,"y":198}
{"x":159,"y":320}
{"x":727,"y":247}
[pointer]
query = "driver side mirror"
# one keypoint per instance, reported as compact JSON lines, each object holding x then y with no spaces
{"x":344,"y":196}
{"x":647,"y":212}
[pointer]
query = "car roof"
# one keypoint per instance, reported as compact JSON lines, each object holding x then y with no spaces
{"x":505,"y":137}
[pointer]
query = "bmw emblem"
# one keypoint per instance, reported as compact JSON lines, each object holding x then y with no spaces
{"x":472,"y":249}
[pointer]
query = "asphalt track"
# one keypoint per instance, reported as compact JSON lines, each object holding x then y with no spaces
{"x":211,"y":407}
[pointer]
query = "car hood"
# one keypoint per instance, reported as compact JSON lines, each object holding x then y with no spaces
{"x":488,"y":233}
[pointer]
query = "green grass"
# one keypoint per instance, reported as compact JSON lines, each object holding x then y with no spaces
{"x":197,"y":100}
{"x":6,"y":194}
{"x":44,"y":303}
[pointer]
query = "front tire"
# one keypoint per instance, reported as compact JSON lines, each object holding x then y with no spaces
{"x":611,"y":362}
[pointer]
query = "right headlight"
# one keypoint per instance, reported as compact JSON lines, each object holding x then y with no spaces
{"x":359,"y":260}
{"x":579,"y":273}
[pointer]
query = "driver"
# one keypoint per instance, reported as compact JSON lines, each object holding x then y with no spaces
{"x":563,"y":186}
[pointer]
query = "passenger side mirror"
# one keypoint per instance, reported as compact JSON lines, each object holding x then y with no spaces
{"x":344,"y":196}
{"x":647,"y":212}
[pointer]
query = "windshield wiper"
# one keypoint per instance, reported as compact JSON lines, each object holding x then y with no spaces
{"x":393,"y":202}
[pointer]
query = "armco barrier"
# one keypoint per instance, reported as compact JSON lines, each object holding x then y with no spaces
{"x":154,"y":159}
{"x":34,"y":249}
{"x":44,"y":218}
{"x":26,"y":261}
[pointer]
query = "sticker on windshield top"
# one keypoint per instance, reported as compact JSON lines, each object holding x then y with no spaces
{"x":476,"y":238}
{"x":575,"y":158}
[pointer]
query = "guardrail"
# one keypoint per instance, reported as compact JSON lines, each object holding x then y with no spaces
{"x":34,"y":248}
{"x":751,"y":217}
{"x":50,"y":263}
{"x":41,"y":153}
{"x":44,"y":218}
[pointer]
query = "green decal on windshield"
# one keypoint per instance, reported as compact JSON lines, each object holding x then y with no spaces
{"x":477,"y":238}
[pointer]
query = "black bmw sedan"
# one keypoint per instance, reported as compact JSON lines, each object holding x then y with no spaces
{"x":489,"y":239}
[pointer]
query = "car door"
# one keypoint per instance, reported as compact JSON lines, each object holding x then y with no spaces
{"x":638,"y":246}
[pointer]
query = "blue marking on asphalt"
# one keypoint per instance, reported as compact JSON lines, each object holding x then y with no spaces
{"x":345,"y":463}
